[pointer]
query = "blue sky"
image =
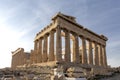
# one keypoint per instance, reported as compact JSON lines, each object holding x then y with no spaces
{"x":20,"y":20}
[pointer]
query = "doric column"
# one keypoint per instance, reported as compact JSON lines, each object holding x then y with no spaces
{"x":31,"y":57}
{"x":34,"y":60}
{"x":84,"y":53}
{"x":104,"y":56}
{"x":73,"y":49}
{"x":90,"y":54}
{"x":45,"y":46}
{"x":96,"y":54}
{"x":76,"y":56}
{"x":35,"y":51}
{"x":67,"y":46}
{"x":58,"y":44}
{"x":12,"y":64}
{"x":35,"y":45}
{"x":51,"y":48}
{"x":40,"y":51}
{"x":100,"y":55}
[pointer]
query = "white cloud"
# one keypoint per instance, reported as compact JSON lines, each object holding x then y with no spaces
{"x":10,"y":40}
{"x":27,"y":16}
{"x":6,"y":43}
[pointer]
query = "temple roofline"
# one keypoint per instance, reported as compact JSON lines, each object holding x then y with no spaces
{"x":72,"y":20}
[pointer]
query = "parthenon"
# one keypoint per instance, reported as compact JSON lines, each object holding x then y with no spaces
{"x":93,"y":47}
{"x":67,"y":43}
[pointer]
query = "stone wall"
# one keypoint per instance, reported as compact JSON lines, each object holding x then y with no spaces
{"x":19,"y":58}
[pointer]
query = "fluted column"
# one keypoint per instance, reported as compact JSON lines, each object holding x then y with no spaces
{"x":35,"y":45}
{"x":18,"y":59}
{"x":76,"y":56}
{"x":31,"y":57}
{"x":58,"y":44}
{"x":100,"y":55}
{"x":12,"y":62}
{"x":40,"y":51}
{"x":67,"y":46}
{"x":104,"y":56}
{"x":90,"y":54}
{"x":44,"y":57}
{"x":96,"y":54}
{"x":34,"y":55}
{"x":84,"y":53}
{"x":35,"y":51}
{"x":73,"y":50}
{"x":51,"y":48}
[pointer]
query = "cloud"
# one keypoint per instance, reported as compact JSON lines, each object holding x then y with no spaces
{"x":9,"y":11}
{"x":21,"y":20}
{"x":19,"y":34}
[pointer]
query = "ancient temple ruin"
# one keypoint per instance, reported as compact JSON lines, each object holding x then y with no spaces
{"x":19,"y":58}
{"x":92,"y":53}
{"x":66,"y":43}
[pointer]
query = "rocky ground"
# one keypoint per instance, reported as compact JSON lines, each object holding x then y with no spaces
{"x":33,"y":73}
{"x":115,"y":77}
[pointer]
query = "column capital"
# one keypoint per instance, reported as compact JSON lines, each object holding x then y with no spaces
{"x":41,"y":37}
{"x":52,"y":31}
{"x":75,"y":36}
{"x":88,"y":39}
{"x":104,"y":46}
{"x":82,"y":37}
{"x":58,"y":27}
{"x":65,"y":30}
{"x":46,"y":35}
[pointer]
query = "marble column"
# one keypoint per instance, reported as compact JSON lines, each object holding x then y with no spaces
{"x":12,"y":62}
{"x":35,"y":51}
{"x":31,"y":57}
{"x":76,"y":56}
{"x":45,"y":46}
{"x":67,"y":46}
{"x":51,"y":48}
{"x":73,"y":50}
{"x":17,"y":59}
{"x":35,"y":45}
{"x":35,"y":54}
{"x":100,"y":55}
{"x":96,"y":61}
{"x":58,"y":44}
{"x":84,"y":53}
{"x":40,"y":51}
{"x":104,"y":56}
{"x":90,"y":54}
